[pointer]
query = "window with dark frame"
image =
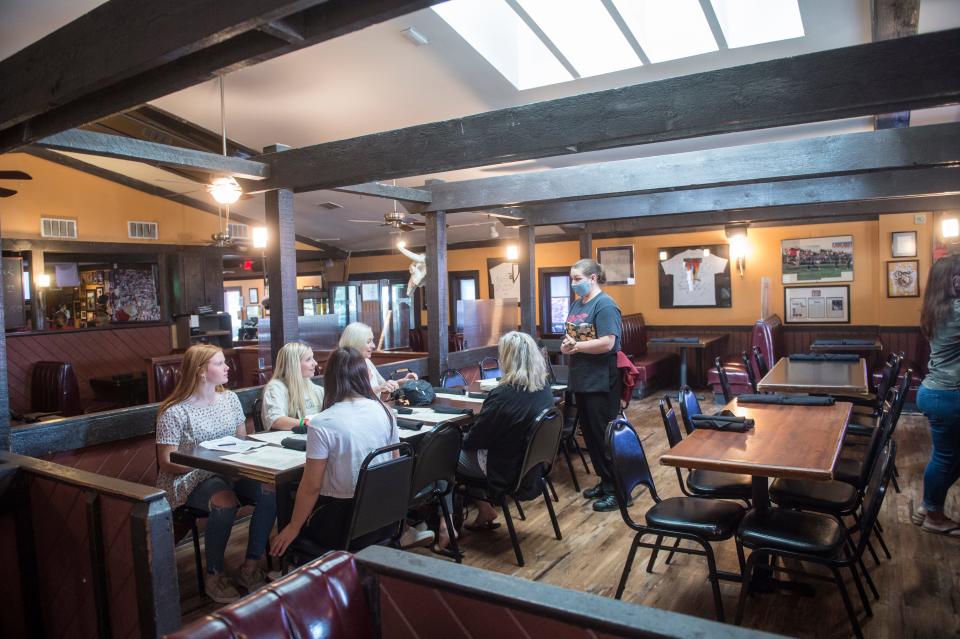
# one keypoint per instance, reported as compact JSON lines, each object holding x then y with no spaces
{"x":464,"y":285}
{"x":555,"y":299}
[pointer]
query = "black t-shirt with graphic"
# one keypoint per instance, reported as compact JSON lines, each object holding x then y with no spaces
{"x":594,"y":373}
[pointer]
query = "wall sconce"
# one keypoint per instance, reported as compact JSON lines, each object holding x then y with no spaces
{"x":43,"y":280}
{"x":401,"y":244}
{"x":513,"y":252}
{"x":950,"y":227}
{"x":259,"y":237}
{"x":663,"y":256}
{"x":737,"y":236}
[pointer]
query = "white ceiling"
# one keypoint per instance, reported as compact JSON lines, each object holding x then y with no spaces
{"x":376,"y":80}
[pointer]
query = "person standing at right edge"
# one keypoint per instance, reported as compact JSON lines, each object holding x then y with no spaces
{"x":592,"y":341}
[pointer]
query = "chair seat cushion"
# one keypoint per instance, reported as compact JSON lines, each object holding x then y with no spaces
{"x":807,"y":494}
{"x":863,"y":420}
{"x":711,"y":483}
{"x":848,"y":470}
{"x":791,"y":530}
{"x":711,"y":519}
{"x":654,"y":364}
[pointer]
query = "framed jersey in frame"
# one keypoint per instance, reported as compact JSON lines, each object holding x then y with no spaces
{"x":695,"y":276}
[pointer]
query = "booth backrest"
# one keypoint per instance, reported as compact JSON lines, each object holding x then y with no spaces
{"x":633,"y":338}
{"x":768,"y":337}
{"x":164,"y":374}
{"x":54,"y":389}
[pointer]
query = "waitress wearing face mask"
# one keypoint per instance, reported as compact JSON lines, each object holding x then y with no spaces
{"x":592,"y":341}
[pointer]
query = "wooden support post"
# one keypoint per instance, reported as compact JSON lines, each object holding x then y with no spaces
{"x":281,"y":254}
{"x":37,"y":300}
{"x":586,"y":246}
{"x":438,"y":309}
{"x":4,"y":389}
{"x":528,"y":280}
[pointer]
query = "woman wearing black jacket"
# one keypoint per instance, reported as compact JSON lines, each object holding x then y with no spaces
{"x":494,"y":446}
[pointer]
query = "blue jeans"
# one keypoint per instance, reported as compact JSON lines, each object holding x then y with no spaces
{"x":220,"y":520}
{"x":942,"y":408}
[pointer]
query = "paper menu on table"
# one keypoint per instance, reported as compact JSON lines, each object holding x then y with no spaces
{"x":461,"y":398}
{"x":428,"y":416}
{"x":275,"y":437}
{"x":271,"y":457}
{"x":230,"y":444}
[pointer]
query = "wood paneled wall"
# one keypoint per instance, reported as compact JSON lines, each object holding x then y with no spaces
{"x":93,"y":353}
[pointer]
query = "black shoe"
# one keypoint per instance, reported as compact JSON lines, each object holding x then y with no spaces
{"x":594,"y":493}
{"x":607,"y":503}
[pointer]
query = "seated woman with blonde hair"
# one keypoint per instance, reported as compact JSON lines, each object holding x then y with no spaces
{"x":359,"y":337}
{"x":198,"y":410}
{"x":290,"y":395}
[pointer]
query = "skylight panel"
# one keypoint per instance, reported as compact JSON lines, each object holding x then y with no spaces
{"x":668,"y":30}
{"x":585,"y":33}
{"x":504,"y":39}
{"x":748,"y":22}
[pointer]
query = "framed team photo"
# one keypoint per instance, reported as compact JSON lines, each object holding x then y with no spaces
{"x":817,"y":259}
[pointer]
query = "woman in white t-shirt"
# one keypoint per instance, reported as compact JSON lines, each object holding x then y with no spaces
{"x":359,"y":337}
{"x":354,"y":423}
{"x":289,"y":397}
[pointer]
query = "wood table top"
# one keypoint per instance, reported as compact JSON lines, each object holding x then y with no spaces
{"x":877,"y":345}
{"x":704,"y":342}
{"x":787,"y":441}
{"x":831,"y":378}
{"x":196,"y":456}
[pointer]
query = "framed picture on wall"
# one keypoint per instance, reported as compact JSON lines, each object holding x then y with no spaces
{"x":253,"y":311}
{"x":903,"y":278}
{"x":503,"y":279}
{"x":617,"y":262}
{"x":695,"y":277}
{"x":903,"y":244}
{"x":253,"y":296}
{"x":817,"y":259}
{"x":817,"y":304}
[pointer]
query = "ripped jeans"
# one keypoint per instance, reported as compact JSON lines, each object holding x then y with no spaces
{"x":220,"y":520}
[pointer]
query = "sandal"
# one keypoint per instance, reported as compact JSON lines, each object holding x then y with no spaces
{"x":950,"y":528}
{"x":918,"y":514}
{"x":487,"y":525}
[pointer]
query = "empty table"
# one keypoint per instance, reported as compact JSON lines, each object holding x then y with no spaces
{"x":826,"y":377}
{"x":683,"y":343}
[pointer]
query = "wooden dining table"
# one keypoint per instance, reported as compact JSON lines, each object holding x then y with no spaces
{"x":683,"y":343}
{"x":819,"y":377}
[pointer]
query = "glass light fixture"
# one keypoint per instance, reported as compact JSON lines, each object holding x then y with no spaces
{"x":401,"y":244}
{"x":663,"y":256}
{"x":259,"y":237}
{"x":513,"y":252}
{"x":225,"y":190}
{"x":43,"y":280}
{"x":950,"y":227}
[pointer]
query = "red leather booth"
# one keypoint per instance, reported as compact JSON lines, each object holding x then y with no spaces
{"x":655,"y":368}
{"x":768,"y":336}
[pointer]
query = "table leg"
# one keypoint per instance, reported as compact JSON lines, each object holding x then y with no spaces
{"x":683,"y":366}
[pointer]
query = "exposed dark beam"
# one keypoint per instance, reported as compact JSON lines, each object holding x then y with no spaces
{"x":289,"y":30}
{"x":814,"y":157}
{"x":438,"y":309}
{"x":791,"y":215}
{"x":128,"y":52}
{"x":281,"y":264}
{"x":528,"y":279}
{"x":586,"y":245}
{"x":390,"y":191}
{"x":124,"y":148}
{"x":855,"y":81}
{"x":872,"y":186}
{"x":893,"y":19}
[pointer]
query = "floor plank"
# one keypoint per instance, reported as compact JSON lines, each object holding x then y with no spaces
{"x":919,"y":588}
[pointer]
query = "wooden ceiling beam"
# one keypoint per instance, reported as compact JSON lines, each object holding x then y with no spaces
{"x":933,"y":145}
{"x":127,"y":52}
{"x":389,"y":191}
{"x":893,"y":19}
{"x":862,"y":80}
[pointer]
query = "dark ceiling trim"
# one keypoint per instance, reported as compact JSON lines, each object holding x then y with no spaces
{"x":893,"y":19}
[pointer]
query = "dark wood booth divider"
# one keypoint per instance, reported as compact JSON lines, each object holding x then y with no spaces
{"x":83,"y":555}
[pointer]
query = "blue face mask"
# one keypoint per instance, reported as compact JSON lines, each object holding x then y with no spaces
{"x":581,"y":288}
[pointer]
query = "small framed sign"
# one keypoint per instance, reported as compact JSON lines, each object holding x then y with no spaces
{"x":617,"y":262}
{"x":903,"y":244}
{"x":817,"y":304}
{"x":903,"y":279}
{"x":253,"y":295}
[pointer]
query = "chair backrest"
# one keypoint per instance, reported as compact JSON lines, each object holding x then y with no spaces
{"x":437,"y":457}
{"x":414,"y":340}
{"x":875,"y":492}
{"x":689,"y":406}
{"x":257,"y":415}
{"x":628,"y":462}
{"x":761,"y":362}
{"x":543,"y":441}
{"x":878,"y":438}
{"x":400,"y":373}
{"x":768,"y":337}
{"x":748,"y":365}
{"x":382,"y":493}
{"x":633,"y":335}
{"x":891,"y":369}
{"x":54,"y":389}
{"x":489,"y":368}
{"x":669,"y":417}
{"x":551,"y":376}
{"x":724,"y":382}
{"x":452,"y":378}
{"x":902,"y":390}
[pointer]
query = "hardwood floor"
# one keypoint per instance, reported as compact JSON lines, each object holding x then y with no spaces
{"x":919,"y":587}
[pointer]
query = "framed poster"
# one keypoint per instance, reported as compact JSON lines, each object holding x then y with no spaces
{"x":903,"y":279}
{"x":903,"y":244}
{"x":817,"y":304}
{"x":253,"y":310}
{"x":817,"y":259}
{"x":252,"y":295}
{"x":503,"y":279}
{"x":695,"y":277}
{"x":617,"y":262}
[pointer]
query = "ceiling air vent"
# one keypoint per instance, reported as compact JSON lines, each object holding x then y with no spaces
{"x":238,"y":231}
{"x":58,"y":227}
{"x":330,"y":205}
{"x":142,"y":230}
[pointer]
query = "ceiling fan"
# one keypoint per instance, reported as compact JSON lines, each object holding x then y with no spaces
{"x":224,"y":189}
{"x":12,"y":175}
{"x":395,"y":219}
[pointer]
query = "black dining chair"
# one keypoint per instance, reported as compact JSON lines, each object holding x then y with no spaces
{"x":568,"y":439}
{"x":748,"y":366}
{"x":543,"y":440}
{"x":694,"y":519}
{"x":816,"y":538}
{"x":870,"y":405}
{"x":256,"y":412}
{"x":724,"y":382}
{"x":689,"y":406}
{"x":711,"y":484}
{"x":490,"y":368}
{"x":452,"y":378}
{"x":435,"y":475}
{"x":761,"y":361}
{"x":379,"y":501}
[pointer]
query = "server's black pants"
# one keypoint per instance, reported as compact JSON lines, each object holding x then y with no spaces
{"x":595,"y":411}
